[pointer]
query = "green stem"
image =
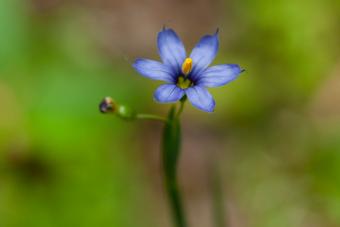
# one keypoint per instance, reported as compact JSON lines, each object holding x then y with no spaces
{"x":181,"y":107}
{"x":175,"y":202}
{"x":171,"y":151}
{"x":150,"y":117}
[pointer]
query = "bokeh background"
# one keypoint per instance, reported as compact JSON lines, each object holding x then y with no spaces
{"x":273,"y":142}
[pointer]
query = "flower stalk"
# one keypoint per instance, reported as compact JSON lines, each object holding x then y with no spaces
{"x":171,"y":150}
{"x":150,"y":117}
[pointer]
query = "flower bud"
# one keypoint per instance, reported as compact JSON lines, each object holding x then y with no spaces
{"x":107,"y":105}
{"x":126,"y":113}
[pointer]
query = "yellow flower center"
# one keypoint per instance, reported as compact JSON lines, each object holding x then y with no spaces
{"x":187,"y":66}
{"x":183,"y":82}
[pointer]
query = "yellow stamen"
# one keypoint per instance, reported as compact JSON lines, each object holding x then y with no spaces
{"x":183,"y":83}
{"x":187,"y":66}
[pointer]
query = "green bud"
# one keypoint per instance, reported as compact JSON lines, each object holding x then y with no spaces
{"x":126,"y":113}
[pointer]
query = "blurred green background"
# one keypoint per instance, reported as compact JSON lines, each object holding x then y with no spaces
{"x":274,"y":137}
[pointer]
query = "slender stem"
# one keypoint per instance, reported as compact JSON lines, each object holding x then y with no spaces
{"x":181,"y":107}
{"x":171,"y":151}
{"x":175,"y":201}
{"x":151,"y":117}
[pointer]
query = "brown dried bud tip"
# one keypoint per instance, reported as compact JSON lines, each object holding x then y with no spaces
{"x":107,"y":105}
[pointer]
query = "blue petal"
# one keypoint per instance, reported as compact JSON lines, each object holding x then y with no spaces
{"x":204,"y":53}
{"x":154,"y":70}
{"x":168,"y":93}
{"x":200,"y":98}
{"x":218,"y":75}
{"x":171,"y":49}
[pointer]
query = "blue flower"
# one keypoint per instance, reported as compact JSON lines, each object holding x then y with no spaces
{"x":184,"y":75}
